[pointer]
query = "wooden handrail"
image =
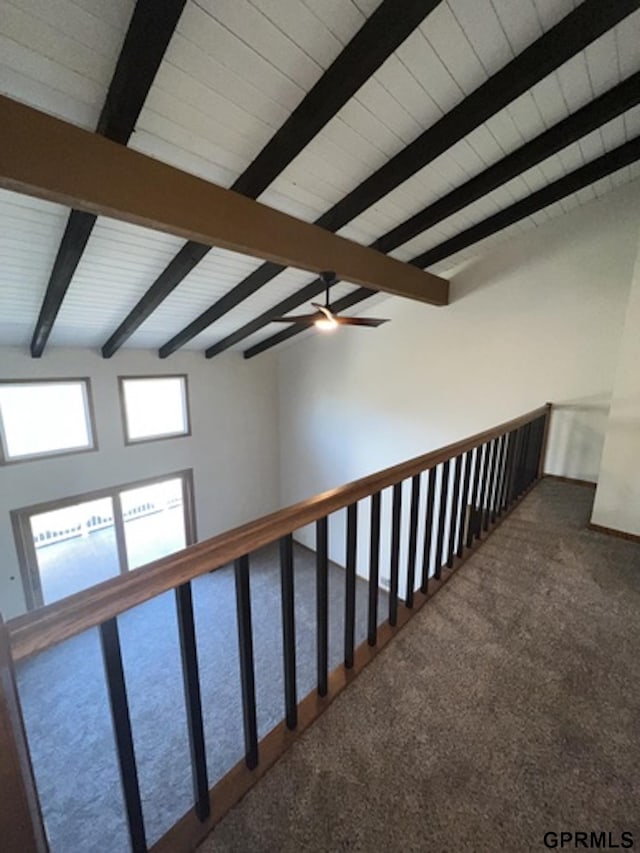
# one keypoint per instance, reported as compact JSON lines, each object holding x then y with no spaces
{"x":36,"y":631}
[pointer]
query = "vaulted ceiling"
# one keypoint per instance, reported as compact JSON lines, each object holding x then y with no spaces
{"x":429,"y":130}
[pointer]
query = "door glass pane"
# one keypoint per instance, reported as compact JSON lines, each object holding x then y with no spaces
{"x":75,"y":547}
{"x":154,"y":523}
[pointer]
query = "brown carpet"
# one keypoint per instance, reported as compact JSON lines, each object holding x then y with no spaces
{"x":508,"y":708}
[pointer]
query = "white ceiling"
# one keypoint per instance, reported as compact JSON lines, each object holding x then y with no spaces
{"x":233,"y":72}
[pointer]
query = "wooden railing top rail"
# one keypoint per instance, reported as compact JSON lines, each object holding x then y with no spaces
{"x":56,"y":622}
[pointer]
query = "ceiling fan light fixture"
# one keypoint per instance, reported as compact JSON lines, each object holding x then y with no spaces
{"x":325,"y":324}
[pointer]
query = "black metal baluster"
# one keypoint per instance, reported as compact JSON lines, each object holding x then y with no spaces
{"x":530,"y":440}
{"x":428,"y":532}
{"x":475,"y":488}
{"x":193,"y":700}
{"x":288,"y":630}
{"x":527,"y":464}
{"x":482,"y":473}
{"x":457,"y":474}
{"x":523,"y":461}
{"x":247,"y":672}
{"x":322,"y":606}
{"x":497,"y":477}
{"x":535,"y":459}
{"x":396,"y":514}
{"x":444,"y":489}
{"x":112,"y":656}
{"x":464,"y":502}
{"x":511,"y":456}
{"x":374,"y":569}
{"x":350,"y":592}
{"x":513,"y":480}
{"x":504,"y":474}
{"x":495,"y":506}
{"x":493,"y":463}
{"x":486,"y":478}
{"x":413,"y":539}
{"x":538,"y":459}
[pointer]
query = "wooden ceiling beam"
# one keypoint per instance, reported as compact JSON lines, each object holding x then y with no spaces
{"x":48,"y":158}
{"x":150,"y":29}
{"x":569,"y":36}
{"x":605,"y":165}
{"x":374,"y":42}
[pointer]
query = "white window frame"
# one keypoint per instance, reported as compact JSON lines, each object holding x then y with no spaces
{"x":85,"y":383}
{"x":122,"y":380}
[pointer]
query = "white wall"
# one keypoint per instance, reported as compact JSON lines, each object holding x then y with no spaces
{"x":233,"y":448}
{"x":538,"y":319}
{"x":617,"y":503}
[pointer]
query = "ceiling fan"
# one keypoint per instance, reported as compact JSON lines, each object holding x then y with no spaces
{"x":324,"y":318}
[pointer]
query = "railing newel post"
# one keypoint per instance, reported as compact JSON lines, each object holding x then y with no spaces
{"x":21,"y":823}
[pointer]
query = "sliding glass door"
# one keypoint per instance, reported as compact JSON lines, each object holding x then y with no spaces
{"x":154,"y":521}
{"x":75,"y":547}
{"x":70,"y":545}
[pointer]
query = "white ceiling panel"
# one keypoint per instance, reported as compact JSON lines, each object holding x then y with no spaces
{"x":341,"y":18}
{"x":29,"y":239}
{"x":231,"y":76}
{"x":59,"y":57}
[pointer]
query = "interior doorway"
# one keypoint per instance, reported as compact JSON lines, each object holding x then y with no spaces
{"x":69,"y":545}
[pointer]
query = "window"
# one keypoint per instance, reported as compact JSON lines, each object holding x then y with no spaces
{"x":45,"y":418}
{"x":72,"y":544}
{"x":154,"y":407}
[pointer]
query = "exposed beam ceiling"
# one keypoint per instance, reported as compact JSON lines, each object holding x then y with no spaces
{"x":48,"y":158}
{"x":571,"y":35}
{"x":379,"y":36}
{"x":588,"y":174}
{"x":576,"y":180}
{"x":594,"y":114}
{"x":613,"y":103}
{"x":151,"y":27}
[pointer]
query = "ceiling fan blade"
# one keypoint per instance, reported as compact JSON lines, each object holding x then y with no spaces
{"x":372,"y":322}
{"x":302,"y":319}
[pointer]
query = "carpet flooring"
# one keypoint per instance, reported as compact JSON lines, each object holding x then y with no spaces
{"x":66,"y":708}
{"x":508,"y":708}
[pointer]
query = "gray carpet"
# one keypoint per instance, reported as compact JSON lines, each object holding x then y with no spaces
{"x":509,"y":707}
{"x":66,"y":708}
